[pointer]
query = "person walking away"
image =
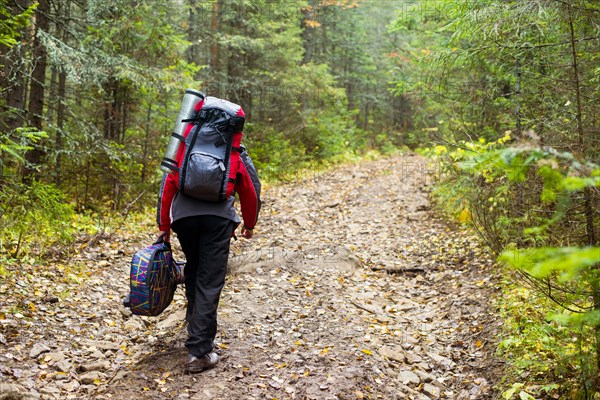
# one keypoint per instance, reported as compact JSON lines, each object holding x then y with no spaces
{"x":204,"y":230}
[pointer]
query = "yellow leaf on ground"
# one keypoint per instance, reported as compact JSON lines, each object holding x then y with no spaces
{"x":465,"y":216}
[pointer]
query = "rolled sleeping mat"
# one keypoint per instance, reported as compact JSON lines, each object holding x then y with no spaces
{"x":190,"y":105}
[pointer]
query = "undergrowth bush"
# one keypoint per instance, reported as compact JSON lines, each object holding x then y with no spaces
{"x":33,"y":217}
{"x":538,"y":209}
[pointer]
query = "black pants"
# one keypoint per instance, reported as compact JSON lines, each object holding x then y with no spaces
{"x":205,"y":241}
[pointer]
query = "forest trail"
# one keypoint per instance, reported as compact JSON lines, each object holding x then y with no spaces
{"x":351,"y":289}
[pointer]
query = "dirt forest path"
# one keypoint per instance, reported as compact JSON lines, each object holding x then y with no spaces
{"x":351,"y":289}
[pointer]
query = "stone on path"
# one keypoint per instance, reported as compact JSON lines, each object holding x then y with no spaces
{"x":38,"y":349}
{"x":407,"y":377}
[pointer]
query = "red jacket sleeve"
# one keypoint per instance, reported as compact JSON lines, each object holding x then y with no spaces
{"x":168,"y":190}
{"x":249,"y":201}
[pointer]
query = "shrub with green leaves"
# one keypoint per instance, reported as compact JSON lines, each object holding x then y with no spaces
{"x":11,"y":24}
{"x":539,"y":209}
{"x":32,"y":218}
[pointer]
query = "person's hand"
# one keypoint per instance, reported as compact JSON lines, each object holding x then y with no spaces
{"x":247,"y":233}
{"x":165,"y":236}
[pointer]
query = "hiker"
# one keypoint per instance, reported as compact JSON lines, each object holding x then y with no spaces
{"x":204,"y":230}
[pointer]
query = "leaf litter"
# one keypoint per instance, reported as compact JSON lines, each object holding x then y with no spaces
{"x":353,"y":288}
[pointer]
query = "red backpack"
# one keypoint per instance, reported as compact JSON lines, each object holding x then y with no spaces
{"x":211,"y":155}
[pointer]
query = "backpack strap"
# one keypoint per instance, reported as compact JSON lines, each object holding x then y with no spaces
{"x":178,"y":136}
{"x":198,"y":118}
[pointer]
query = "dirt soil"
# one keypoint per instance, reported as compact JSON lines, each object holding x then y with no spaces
{"x":353,"y":288}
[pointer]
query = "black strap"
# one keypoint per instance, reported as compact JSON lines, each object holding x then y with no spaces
{"x":161,"y":239}
{"x":232,"y":180}
{"x":178,"y":136}
{"x":222,"y":141}
{"x":197,"y":118}
{"x":170,"y":166}
{"x":238,"y":149}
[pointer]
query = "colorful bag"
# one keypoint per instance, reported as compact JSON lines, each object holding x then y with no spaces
{"x":153,"y":279}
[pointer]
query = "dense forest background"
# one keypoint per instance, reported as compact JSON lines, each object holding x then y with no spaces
{"x":90,"y":90}
{"x":503,"y":95}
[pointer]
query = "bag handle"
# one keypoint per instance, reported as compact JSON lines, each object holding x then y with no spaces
{"x":162,"y":240}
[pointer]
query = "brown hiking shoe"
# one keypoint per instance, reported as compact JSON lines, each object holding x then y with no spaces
{"x":195,"y":364}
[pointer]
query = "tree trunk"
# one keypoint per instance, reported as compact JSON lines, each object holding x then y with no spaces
{"x":124,"y":114}
{"x":37,"y":85}
{"x":14,"y":95}
{"x":215,"y":23}
{"x":192,"y":31}
{"x":60,"y":125}
{"x":366,"y":116}
{"x":308,"y":34}
{"x":146,"y":144}
{"x":113,"y":111}
{"x":107,"y":113}
{"x":38,"y":76}
{"x":587,"y":193}
{"x":518,"y":98}
{"x":12,"y":80}
{"x":87,"y":179}
{"x":576,"y":83}
{"x":64,"y":14}
{"x":51,"y":92}
{"x":12,"y":109}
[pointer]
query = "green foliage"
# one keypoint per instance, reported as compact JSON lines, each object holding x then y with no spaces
{"x":546,"y":355}
{"x":535,"y":206}
{"x":332,"y":137}
{"x":10,"y":25}
{"x":571,"y":263}
{"x":127,"y":73}
{"x":33,"y":218}
{"x":17,"y":143}
{"x":118,"y":75}
{"x":516,"y":387}
{"x":462,"y":169}
{"x":273,"y":154}
{"x":488,"y":180}
{"x":527,"y":67}
{"x":483,"y":67}
{"x":577,"y":269}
